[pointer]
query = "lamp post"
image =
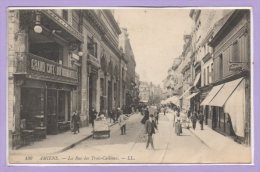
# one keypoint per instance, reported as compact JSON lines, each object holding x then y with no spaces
{"x":37,"y":28}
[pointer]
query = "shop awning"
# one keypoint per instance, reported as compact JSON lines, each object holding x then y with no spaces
{"x":196,"y":79}
{"x":224,"y":93}
{"x":185,"y":93}
{"x":192,"y":95}
{"x":235,"y":106}
{"x":211,"y":95}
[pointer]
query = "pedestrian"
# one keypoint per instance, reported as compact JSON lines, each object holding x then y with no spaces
{"x":118,"y":112}
{"x":146,"y":116}
{"x":156,"y":116}
{"x":178,"y":127}
{"x":194,"y":120}
{"x":122,"y":123}
{"x":75,"y":121}
{"x":150,"y":130}
{"x":92,"y":116}
{"x":113,"y":115}
{"x":201,"y":119}
{"x":164,"y":110}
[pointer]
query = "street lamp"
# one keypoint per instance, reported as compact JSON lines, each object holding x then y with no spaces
{"x":80,"y":53}
{"x":37,"y":28}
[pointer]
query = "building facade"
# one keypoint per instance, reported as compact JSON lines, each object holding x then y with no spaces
{"x":216,"y":71}
{"x":61,"y":61}
{"x":231,"y":105}
{"x":130,"y":84}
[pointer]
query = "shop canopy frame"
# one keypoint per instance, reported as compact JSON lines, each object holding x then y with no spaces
{"x":211,"y":95}
{"x":192,"y":95}
{"x":225,"y":92}
{"x":185,"y":93}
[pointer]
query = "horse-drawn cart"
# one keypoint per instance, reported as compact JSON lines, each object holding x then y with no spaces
{"x":101,"y":128}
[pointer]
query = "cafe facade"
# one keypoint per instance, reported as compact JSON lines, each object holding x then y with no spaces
{"x":44,"y":74}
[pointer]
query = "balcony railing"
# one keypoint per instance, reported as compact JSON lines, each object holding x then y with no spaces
{"x":36,"y":67}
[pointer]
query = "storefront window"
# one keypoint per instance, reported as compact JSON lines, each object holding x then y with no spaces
{"x":235,"y":56}
{"x":32,"y":106}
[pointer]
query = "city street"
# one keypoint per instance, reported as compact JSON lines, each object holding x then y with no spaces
{"x":70,"y":69}
{"x":130,"y":148}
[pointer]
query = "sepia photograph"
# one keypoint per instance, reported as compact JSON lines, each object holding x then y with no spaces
{"x":129,"y":86}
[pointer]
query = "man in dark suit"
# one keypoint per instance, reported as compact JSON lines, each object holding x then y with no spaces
{"x":76,"y":121}
{"x":150,"y":130}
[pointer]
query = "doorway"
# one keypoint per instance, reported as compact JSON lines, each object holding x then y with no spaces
{"x":109,"y":103}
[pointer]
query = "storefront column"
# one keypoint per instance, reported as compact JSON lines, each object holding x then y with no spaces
{"x":120,"y":85}
{"x":106,"y":101}
{"x":84,"y":84}
{"x":87,"y":97}
{"x":112,"y":93}
{"x":98,"y":91}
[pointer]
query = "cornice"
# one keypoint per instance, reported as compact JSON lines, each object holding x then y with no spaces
{"x":113,"y":21}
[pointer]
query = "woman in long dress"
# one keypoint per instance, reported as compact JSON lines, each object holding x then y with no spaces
{"x":178,"y":128}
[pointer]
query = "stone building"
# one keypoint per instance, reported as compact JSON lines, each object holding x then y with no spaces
{"x":61,"y":61}
{"x":129,"y":94}
{"x":230,"y":98}
{"x":43,"y":72}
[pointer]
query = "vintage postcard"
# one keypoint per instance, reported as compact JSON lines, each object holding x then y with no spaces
{"x":129,"y":86}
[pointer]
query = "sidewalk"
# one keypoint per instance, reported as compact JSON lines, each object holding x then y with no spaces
{"x":213,"y":139}
{"x":219,"y":145}
{"x":57,"y":143}
{"x":222,"y":146}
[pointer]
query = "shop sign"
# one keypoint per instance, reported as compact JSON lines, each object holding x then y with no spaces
{"x":51,"y":69}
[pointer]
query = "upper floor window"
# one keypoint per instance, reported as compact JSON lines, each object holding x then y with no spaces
{"x":204,"y":77}
{"x":211,"y":73}
{"x":235,"y":55}
{"x":207,"y":75}
{"x":65,"y":15}
{"x":220,"y":69}
{"x":92,"y":47}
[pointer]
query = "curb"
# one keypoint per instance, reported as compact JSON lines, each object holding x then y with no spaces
{"x":81,"y":140}
{"x":202,"y":141}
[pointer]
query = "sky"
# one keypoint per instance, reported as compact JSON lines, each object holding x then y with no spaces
{"x":156,"y":37}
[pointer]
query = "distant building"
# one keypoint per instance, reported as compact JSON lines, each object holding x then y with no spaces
{"x":129,"y":84}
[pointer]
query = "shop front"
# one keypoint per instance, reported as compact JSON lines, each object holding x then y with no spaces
{"x":229,"y":108}
{"x":45,"y":78}
{"x":44,"y":99}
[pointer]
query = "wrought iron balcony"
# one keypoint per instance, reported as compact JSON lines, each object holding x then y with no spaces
{"x":36,"y":67}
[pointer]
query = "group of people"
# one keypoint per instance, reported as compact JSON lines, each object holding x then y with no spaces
{"x":196,"y":116}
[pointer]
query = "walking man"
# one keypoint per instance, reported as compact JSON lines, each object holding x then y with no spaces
{"x":122,"y":122}
{"x":194,"y":120}
{"x":75,"y":120}
{"x":201,"y":120}
{"x":150,"y":130}
{"x":93,"y":116}
{"x":164,"y":110}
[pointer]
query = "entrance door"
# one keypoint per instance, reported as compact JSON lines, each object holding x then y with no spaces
{"x":63,"y":106}
{"x":52,"y":111}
